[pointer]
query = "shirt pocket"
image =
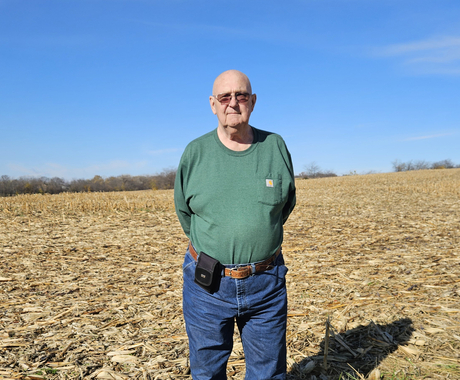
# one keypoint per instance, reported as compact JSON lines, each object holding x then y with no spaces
{"x":269,"y":189}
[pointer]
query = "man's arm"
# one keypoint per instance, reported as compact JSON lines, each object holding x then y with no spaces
{"x":291,"y":201}
{"x":289,"y":206}
{"x":182,"y":210}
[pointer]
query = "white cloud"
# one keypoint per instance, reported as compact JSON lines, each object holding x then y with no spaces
{"x":428,"y":137}
{"x":24,"y":171}
{"x":440,"y":55}
{"x":431,"y":45}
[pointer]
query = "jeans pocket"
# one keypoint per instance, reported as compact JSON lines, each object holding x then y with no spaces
{"x":282,"y":269}
{"x":188,"y":261}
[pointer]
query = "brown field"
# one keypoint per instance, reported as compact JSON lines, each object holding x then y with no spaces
{"x":91,"y":283}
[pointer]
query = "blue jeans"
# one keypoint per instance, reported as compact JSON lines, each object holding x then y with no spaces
{"x":259,"y":305}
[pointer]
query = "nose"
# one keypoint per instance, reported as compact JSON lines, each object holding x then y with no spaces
{"x":233,"y":102}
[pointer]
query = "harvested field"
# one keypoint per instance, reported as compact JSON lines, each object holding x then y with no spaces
{"x":91,"y":283}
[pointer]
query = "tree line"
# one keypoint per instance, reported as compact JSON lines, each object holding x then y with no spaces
{"x":56,"y":185}
{"x":399,"y":166}
{"x":313,"y":170}
{"x":163,"y":180}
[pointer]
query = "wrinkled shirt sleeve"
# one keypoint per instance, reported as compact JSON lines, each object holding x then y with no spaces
{"x":291,"y":201}
{"x":183,"y":211}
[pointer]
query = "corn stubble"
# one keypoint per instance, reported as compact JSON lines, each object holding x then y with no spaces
{"x":91,"y":283}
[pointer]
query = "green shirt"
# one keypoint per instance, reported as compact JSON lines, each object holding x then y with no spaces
{"x":232,"y":205}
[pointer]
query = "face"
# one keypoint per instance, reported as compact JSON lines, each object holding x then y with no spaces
{"x":234,"y":114}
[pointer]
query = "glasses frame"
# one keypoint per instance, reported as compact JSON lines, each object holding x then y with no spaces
{"x":233,"y":95}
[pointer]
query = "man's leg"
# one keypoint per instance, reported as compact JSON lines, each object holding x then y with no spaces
{"x":263,"y":324}
{"x":209,"y":321}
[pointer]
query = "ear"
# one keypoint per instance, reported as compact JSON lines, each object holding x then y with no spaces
{"x":212,"y":102}
{"x":254,"y":99}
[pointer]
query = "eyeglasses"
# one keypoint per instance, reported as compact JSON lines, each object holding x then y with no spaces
{"x":226,"y":98}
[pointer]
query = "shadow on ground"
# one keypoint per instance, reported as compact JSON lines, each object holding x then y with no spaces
{"x":353,"y":352}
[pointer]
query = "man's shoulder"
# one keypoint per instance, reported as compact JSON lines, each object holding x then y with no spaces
{"x":199,"y":143}
{"x":203,"y":139}
{"x":269,"y":137}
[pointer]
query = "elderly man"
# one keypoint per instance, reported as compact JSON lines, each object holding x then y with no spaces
{"x":234,"y":191}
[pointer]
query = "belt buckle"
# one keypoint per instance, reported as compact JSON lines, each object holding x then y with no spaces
{"x":236,"y":268}
{"x":239,"y":266}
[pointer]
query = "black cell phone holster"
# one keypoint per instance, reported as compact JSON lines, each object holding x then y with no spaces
{"x":208,"y":273}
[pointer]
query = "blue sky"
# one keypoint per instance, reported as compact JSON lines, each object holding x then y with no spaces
{"x":113,"y":87}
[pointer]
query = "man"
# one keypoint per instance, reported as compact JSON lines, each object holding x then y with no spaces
{"x":234,"y":190}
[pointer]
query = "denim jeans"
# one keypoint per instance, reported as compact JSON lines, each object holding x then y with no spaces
{"x":258,"y":303}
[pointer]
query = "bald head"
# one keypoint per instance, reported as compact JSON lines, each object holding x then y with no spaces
{"x":230,"y":76}
{"x":234,"y":114}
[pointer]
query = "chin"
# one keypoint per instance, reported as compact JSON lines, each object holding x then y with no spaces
{"x":235,"y":123}
{"x":235,"y":126}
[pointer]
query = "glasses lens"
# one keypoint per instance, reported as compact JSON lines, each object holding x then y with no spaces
{"x":242,"y":97}
{"x":224,"y":98}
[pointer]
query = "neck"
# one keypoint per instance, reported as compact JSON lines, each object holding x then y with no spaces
{"x":236,"y":138}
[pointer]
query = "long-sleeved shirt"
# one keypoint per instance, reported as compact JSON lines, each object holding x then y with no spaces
{"x":232,"y":205}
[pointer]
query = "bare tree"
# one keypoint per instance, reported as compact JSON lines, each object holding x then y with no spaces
{"x":421,"y":165}
{"x":410,"y":165}
{"x":55,"y":185}
{"x":165,"y":180}
{"x":312,"y":169}
{"x":5,"y":185}
{"x":444,"y":164}
{"x":398,"y":166}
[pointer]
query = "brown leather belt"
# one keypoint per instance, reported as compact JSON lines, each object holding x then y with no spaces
{"x":244,"y":271}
